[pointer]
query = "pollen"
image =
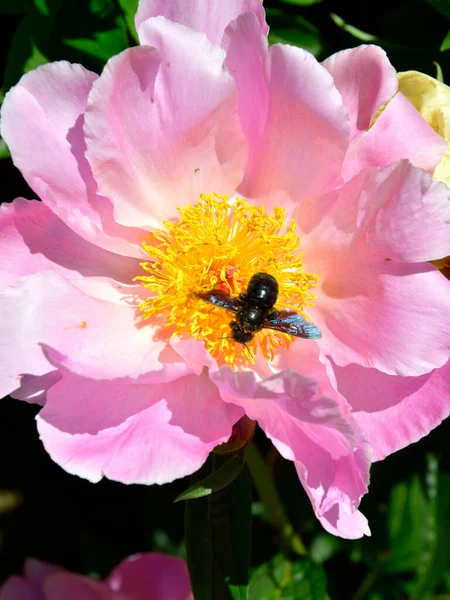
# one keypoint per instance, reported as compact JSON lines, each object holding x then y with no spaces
{"x":220,"y":244}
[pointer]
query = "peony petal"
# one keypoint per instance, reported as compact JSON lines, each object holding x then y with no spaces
{"x":42,"y":119}
{"x":34,"y":388}
{"x":336,"y":520}
{"x":34,"y":239}
{"x":173,"y":135}
{"x":366,"y":80}
{"x":409,"y":219}
{"x":16,"y":588}
{"x":97,"y":338}
{"x":152,"y":576}
{"x":297,"y":129}
{"x":399,"y":324}
{"x":391,"y":411}
{"x":74,"y":587}
{"x":386,"y":143}
{"x":372,"y":310}
{"x":331,"y":456}
{"x":210,"y":17}
{"x":36,"y":572}
{"x":170,"y":439}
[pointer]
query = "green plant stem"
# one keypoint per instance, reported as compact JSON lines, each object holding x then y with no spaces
{"x":265,"y":486}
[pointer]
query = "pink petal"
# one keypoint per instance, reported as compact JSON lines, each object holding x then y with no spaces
{"x":134,"y":433}
{"x":337,"y":520}
{"x":69,"y":586}
{"x":291,"y":113}
{"x":376,"y":312}
{"x":386,"y":143}
{"x":336,"y":504}
{"x":42,"y":119}
{"x":391,"y":411}
{"x":400,"y":324}
{"x":406,"y":217}
{"x":366,"y":80}
{"x":152,"y":576}
{"x":36,"y":572}
{"x":96,"y":338}
{"x":16,"y":588}
{"x":173,"y":135}
{"x":331,"y":456}
{"x":34,"y":239}
{"x":33,"y":389}
{"x":210,"y":17}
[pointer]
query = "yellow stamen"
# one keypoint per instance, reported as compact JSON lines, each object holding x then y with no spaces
{"x":221,"y":244}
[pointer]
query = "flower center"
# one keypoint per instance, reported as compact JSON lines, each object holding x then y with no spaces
{"x":219,"y":245}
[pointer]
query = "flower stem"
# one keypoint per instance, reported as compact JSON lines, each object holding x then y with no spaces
{"x":265,"y":486}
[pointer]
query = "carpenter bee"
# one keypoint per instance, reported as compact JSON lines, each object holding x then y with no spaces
{"x":254,"y":310}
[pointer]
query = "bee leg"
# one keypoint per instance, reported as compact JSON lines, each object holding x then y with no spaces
{"x":243,"y":297}
{"x":248,"y":350}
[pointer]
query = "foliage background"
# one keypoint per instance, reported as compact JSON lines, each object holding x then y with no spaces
{"x":49,"y":514}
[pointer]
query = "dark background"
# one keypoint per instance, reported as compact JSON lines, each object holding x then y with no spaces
{"x":46,"y":513}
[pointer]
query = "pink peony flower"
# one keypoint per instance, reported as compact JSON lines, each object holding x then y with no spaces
{"x":193,"y":162}
{"x":149,"y":576}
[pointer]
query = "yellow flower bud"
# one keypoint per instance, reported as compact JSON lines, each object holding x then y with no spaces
{"x":432,"y":99}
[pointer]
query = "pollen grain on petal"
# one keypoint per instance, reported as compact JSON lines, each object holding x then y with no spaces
{"x":221,"y":243}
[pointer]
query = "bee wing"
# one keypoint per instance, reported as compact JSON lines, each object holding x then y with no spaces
{"x":291,"y":322}
{"x":220,"y":298}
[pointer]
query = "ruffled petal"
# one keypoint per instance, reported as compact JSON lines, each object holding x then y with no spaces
{"x":336,"y":504}
{"x":365,"y":79}
{"x":210,"y":18}
{"x":373,"y":310}
{"x":16,"y":588}
{"x":386,"y":143}
{"x":97,"y":338}
{"x":330,"y":454}
{"x":173,"y":135}
{"x":168,"y":434}
{"x":33,"y":388}
{"x":34,"y":239}
{"x":42,"y":121}
{"x":391,"y":411}
{"x":152,"y":576}
{"x":291,"y":113}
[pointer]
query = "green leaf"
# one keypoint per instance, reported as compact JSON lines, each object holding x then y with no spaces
{"x":281,"y":579}
{"x":215,"y":481}
{"x":354,"y":31}
{"x":442,"y":6}
{"x":101,"y":7}
{"x":14,"y":8}
{"x":102,"y":44}
{"x":432,"y":571}
{"x":323,"y":547}
{"x":218,"y":538}
{"x":273,"y":506}
{"x":25,"y":53}
{"x":445,"y":43}
{"x":410,"y":526}
{"x":42,"y":6}
{"x":129,"y":8}
{"x":291,"y":29}
{"x":418,"y":530}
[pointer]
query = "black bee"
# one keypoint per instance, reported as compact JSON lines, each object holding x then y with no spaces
{"x":254,"y":310}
